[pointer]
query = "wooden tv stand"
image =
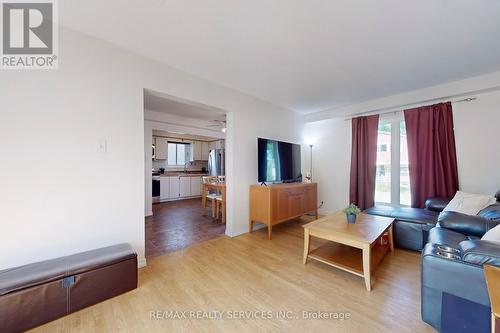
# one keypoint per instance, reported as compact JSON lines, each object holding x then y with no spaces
{"x":275,"y":203}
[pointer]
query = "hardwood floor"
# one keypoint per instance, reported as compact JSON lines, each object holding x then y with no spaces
{"x":179,"y":224}
{"x":251,"y":273}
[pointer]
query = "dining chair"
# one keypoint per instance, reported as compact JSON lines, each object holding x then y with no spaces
{"x":218,"y":203}
{"x":211,"y":195}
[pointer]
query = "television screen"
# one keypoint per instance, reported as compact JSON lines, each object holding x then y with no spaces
{"x":278,"y":161}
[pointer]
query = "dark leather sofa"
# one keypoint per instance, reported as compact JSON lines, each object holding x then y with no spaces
{"x":411,"y":225}
{"x":453,"y":259}
{"x":452,"y":251}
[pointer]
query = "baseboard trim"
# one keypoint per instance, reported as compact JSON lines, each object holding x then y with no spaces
{"x":325,"y":212}
{"x":141,"y":263}
{"x":178,"y":199}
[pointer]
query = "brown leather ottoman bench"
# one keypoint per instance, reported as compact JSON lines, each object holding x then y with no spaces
{"x":38,"y":293}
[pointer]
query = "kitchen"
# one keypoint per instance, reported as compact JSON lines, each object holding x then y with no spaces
{"x":184,"y":151}
{"x":180,"y":164}
{"x":180,"y":161}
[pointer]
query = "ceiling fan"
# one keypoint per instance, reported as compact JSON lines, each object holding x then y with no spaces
{"x":219,"y":124}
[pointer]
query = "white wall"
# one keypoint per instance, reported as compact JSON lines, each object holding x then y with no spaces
{"x":331,"y":140}
{"x":96,"y":95}
{"x":477,"y":141}
{"x":476,"y":134}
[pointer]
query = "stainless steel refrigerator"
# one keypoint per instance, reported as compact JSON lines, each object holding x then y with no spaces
{"x":216,"y":162}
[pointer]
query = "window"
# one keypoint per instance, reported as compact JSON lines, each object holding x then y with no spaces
{"x":177,"y":153}
{"x":404,"y":170}
{"x":383,"y":178}
{"x":392,"y":182}
{"x":382,"y":147}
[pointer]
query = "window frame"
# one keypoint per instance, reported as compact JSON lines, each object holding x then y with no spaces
{"x":394,"y":119}
{"x":186,"y":153}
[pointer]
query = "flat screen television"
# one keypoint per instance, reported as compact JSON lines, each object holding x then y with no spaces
{"x":278,"y":161}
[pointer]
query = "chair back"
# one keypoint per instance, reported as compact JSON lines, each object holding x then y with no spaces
{"x":209,"y":179}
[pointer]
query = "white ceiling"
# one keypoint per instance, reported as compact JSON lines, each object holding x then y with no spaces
{"x":304,"y":55}
{"x":155,"y":101}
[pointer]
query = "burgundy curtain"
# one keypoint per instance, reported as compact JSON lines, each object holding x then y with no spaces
{"x":363,"y":161}
{"x":431,"y":152}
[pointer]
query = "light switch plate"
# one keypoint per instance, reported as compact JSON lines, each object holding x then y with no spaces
{"x":103,"y":146}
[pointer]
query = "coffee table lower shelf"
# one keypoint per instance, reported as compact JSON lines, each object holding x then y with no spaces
{"x":347,"y":258}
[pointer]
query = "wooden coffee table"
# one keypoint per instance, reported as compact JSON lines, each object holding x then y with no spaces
{"x":492,"y":275}
{"x":354,"y":248}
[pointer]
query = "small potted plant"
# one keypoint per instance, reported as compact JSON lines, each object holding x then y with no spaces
{"x":351,"y":212}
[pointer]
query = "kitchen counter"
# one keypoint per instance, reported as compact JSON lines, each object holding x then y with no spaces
{"x":184,"y":174}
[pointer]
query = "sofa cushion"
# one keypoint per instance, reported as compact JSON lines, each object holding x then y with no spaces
{"x":480,"y":252}
{"x":469,"y":203}
{"x":465,"y":224}
{"x":493,"y":235}
{"x":407,"y":214}
{"x":444,"y":236}
{"x":491,"y":212}
{"x":436,"y":204}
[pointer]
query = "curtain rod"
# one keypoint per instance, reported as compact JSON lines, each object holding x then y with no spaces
{"x":398,"y":108}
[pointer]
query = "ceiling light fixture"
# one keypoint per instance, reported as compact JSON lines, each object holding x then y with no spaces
{"x":224,"y":129}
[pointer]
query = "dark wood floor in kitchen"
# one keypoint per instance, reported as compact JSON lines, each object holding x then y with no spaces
{"x":179,"y":224}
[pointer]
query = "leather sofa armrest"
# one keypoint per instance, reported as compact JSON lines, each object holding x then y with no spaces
{"x":480,"y":252}
{"x":451,"y":275}
{"x":470,"y":225}
{"x":436,"y":204}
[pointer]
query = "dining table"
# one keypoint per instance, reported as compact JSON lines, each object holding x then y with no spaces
{"x":219,"y":186}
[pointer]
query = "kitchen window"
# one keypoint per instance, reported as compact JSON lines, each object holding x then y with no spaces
{"x":392,"y":181}
{"x":177,"y":153}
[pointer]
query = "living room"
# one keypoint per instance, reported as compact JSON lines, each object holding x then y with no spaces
{"x":300,"y":73}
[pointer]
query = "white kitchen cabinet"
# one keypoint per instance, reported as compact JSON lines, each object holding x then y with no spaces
{"x":200,"y":151}
{"x":205,"y":150}
{"x":197,"y":151}
{"x":161,"y":148}
{"x":219,"y":144}
{"x":173,"y":183}
{"x":195,"y":186}
{"x":164,"y":188}
{"x":184,"y":187}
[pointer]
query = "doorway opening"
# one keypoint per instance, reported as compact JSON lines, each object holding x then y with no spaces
{"x":185,"y":154}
